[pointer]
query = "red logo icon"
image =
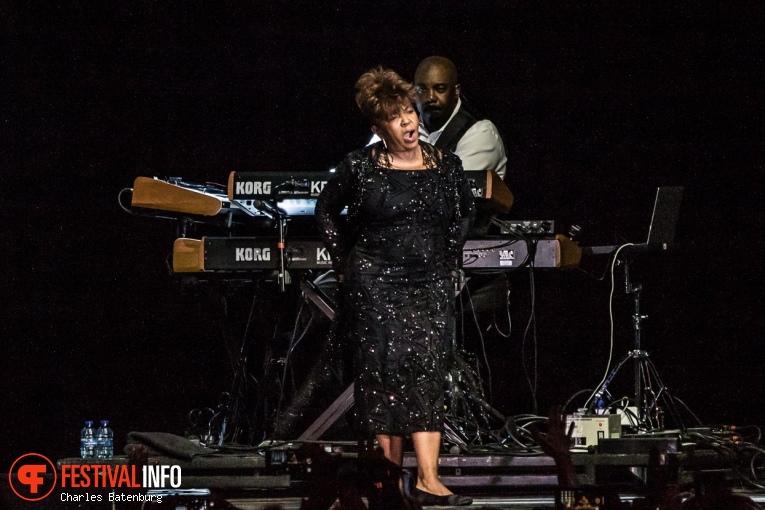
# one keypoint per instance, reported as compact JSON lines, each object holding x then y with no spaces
{"x":27,"y":477}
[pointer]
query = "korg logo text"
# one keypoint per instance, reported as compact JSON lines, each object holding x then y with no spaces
{"x":322,"y":256}
{"x":253,"y":188}
{"x":252,"y":254}
{"x":317,"y":186}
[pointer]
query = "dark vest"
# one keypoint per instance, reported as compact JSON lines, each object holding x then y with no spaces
{"x":456,"y":129}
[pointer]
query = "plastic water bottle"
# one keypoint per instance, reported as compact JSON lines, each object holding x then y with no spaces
{"x":104,"y":441}
{"x":88,"y":441}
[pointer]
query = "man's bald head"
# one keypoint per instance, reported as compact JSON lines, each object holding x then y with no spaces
{"x":442,"y":63}
{"x":438,"y":91}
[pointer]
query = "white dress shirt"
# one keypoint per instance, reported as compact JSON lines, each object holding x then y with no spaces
{"x":480,"y":148}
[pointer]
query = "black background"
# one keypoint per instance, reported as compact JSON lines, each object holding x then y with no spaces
{"x":599,"y":104}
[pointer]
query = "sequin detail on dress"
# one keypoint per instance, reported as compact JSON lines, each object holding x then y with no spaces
{"x":402,"y":237}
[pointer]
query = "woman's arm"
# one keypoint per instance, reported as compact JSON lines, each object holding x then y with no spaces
{"x":464,"y":212}
{"x":335,"y":196}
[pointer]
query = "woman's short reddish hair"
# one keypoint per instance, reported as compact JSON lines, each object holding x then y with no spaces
{"x":380,"y":93}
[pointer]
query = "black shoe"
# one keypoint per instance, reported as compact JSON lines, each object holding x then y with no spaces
{"x":428,"y":499}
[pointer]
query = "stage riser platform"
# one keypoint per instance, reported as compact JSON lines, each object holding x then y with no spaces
{"x":477,"y":472}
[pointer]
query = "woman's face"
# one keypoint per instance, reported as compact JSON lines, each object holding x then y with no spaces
{"x":400,"y":132}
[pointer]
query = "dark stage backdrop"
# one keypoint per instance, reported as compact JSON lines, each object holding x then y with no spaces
{"x":598,"y":105}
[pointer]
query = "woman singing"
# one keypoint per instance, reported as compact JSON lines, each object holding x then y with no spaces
{"x":409,"y":212}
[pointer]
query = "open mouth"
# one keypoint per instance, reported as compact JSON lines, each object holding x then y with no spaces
{"x":410,"y":136}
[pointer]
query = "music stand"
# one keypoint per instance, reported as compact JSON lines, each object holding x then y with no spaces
{"x":661,"y":234}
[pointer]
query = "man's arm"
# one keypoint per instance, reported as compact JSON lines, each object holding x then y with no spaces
{"x":481,"y":148}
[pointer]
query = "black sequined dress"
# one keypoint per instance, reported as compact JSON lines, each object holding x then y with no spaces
{"x":397,"y":247}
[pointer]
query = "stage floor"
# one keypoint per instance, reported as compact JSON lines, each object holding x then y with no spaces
{"x":278,"y":478}
{"x":479,"y":502}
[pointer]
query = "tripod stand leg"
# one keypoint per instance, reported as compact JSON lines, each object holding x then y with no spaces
{"x":339,"y":407}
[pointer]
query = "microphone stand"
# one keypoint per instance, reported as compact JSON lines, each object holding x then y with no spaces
{"x":231,"y":409}
{"x":273,"y":212}
{"x":281,"y":220}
